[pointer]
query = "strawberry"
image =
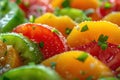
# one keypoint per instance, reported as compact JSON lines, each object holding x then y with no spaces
{"x":50,"y":40}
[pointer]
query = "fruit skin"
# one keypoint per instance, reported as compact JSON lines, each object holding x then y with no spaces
{"x":109,"y":56}
{"x":80,"y":4}
{"x":70,"y":68}
{"x":50,"y":41}
{"x":113,"y":17}
{"x":30,"y":72}
{"x":61,"y":23}
{"x":95,"y":29}
{"x":27,"y":50}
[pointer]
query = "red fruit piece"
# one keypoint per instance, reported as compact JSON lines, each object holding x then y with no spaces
{"x":105,"y":8}
{"x":109,"y":56}
{"x":35,"y":7}
{"x":50,"y":40}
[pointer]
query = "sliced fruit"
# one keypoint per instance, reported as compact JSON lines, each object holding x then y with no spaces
{"x":31,"y":72}
{"x":9,"y":58}
{"x":76,"y":14}
{"x":78,"y":65}
{"x":12,"y":58}
{"x":113,"y":17}
{"x":80,"y":4}
{"x":35,"y":7}
{"x":50,"y":40}
{"x":62,"y":23}
{"x":109,"y":56}
{"x":106,"y":7}
{"x":28,"y":51}
{"x":81,"y":36}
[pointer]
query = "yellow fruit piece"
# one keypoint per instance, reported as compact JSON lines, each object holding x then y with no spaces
{"x":95,"y":29}
{"x":62,"y":23}
{"x":70,"y":67}
{"x":80,"y":4}
{"x":113,"y":17}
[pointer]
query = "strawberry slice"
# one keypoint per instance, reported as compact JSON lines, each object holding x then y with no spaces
{"x":50,"y":40}
{"x":109,"y":56}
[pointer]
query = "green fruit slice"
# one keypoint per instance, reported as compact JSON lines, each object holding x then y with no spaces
{"x":31,"y":72}
{"x":28,"y":51}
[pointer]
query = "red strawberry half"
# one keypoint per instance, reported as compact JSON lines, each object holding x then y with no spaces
{"x":50,"y":40}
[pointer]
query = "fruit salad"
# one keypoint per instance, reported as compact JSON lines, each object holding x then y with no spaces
{"x":59,"y":40}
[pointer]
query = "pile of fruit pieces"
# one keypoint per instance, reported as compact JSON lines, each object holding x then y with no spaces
{"x":59,"y":40}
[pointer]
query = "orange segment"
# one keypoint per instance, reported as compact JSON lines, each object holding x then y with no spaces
{"x":70,"y":68}
{"x":80,"y":4}
{"x":113,"y":17}
{"x":61,"y":23}
{"x":85,"y":4}
{"x":95,"y":29}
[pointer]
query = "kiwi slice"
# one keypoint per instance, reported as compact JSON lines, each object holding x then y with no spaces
{"x":31,"y":72}
{"x":28,"y":50}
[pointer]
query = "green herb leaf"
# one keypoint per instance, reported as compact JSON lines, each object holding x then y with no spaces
{"x":118,"y":46}
{"x":83,"y":72}
{"x":55,"y":31}
{"x":18,"y":1}
{"x":89,"y":78}
{"x":68,"y":30}
{"x":32,"y":18}
{"x":102,"y":41}
{"x":41,"y":44}
{"x":107,"y":5}
{"x":66,"y":3}
{"x":53,"y":65}
{"x":83,"y":57}
{"x":4,"y":40}
{"x":84,"y":28}
{"x":57,"y":11}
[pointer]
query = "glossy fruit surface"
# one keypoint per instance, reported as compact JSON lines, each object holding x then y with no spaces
{"x":77,"y":65}
{"x":92,"y":31}
{"x":111,"y":53}
{"x":113,"y":17}
{"x":80,"y":4}
{"x":63,"y":23}
{"x":49,"y":39}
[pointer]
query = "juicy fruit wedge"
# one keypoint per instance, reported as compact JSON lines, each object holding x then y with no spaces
{"x":28,"y":51}
{"x":109,"y":56}
{"x":93,"y":32}
{"x":80,"y":4}
{"x":78,"y":65}
{"x":31,"y":72}
{"x":113,"y":17}
{"x":62,"y":23}
{"x":50,"y":40}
